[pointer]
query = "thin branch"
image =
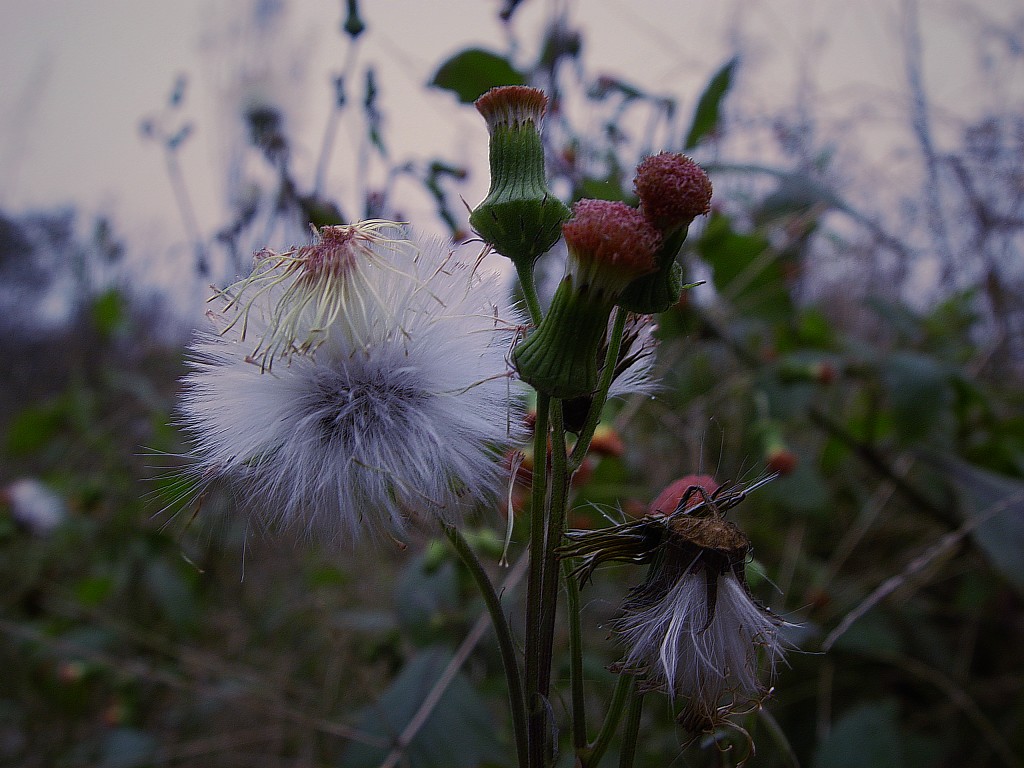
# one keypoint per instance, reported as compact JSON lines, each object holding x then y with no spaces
{"x":462,"y":653}
{"x":917,"y":565}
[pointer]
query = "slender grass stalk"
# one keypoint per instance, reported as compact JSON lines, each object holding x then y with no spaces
{"x":631,"y":729}
{"x":591,"y":757}
{"x":506,"y":644}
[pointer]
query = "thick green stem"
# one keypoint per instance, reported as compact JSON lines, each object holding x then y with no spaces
{"x":579,"y":451}
{"x":537,"y":711}
{"x":506,"y":644}
{"x":631,"y":729}
{"x":623,"y":687}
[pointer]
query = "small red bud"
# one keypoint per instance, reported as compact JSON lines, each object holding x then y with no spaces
{"x":780,"y":460}
{"x":607,"y":442}
{"x":669,"y":498}
{"x":673,"y":190}
{"x":825,"y":373}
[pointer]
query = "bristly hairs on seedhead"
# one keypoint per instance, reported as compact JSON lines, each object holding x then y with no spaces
{"x":316,"y":285}
{"x":393,"y":413}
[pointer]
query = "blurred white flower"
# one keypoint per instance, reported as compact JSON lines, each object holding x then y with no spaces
{"x":391,"y":400}
{"x":34,"y":505}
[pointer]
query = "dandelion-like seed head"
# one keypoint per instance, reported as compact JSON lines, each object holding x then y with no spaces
{"x":398,"y":411}
{"x":314,"y":286}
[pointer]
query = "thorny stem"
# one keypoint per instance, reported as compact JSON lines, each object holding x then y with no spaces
{"x":631,"y":729}
{"x":579,"y":451}
{"x":517,"y":702}
{"x":595,"y":751}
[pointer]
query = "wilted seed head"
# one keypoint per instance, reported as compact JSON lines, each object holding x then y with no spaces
{"x":692,"y":628}
{"x":673,"y":190}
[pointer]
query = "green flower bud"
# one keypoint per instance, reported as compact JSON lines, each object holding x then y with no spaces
{"x":673,"y":191}
{"x":520,"y":217}
{"x":610,"y":245}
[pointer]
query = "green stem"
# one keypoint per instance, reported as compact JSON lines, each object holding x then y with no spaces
{"x":594,"y":753}
{"x":557,"y":502}
{"x":506,"y":644}
{"x":526,"y":282}
{"x":579,"y":703}
{"x":537,"y":711}
{"x":631,"y":729}
{"x":579,"y":451}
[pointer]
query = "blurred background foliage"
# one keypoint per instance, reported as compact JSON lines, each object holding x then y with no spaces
{"x":137,"y":633}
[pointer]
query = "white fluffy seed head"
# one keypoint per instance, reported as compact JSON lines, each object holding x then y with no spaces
{"x":715,"y":666}
{"x":398,"y":414}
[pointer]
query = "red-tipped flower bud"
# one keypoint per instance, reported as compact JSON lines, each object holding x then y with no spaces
{"x":520,"y":217}
{"x":610,"y":245}
{"x":673,"y":190}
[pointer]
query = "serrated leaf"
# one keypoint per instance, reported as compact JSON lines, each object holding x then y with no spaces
{"x":705,"y":117}
{"x":458,"y":733}
{"x":471,"y":73}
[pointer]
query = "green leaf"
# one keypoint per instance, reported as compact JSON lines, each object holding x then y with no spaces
{"x":470,"y":73}
{"x":426,"y":597}
{"x":866,"y":737}
{"x":93,"y":590}
{"x":705,"y":117}
{"x":109,"y":312}
{"x":746,"y":271}
{"x":996,"y":503}
{"x":919,"y":391}
{"x":33,"y":427}
{"x":458,"y":733}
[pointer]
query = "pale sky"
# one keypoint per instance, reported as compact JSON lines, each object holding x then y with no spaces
{"x":79,"y":76}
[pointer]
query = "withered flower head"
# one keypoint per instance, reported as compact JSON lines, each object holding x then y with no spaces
{"x":692,"y":629}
